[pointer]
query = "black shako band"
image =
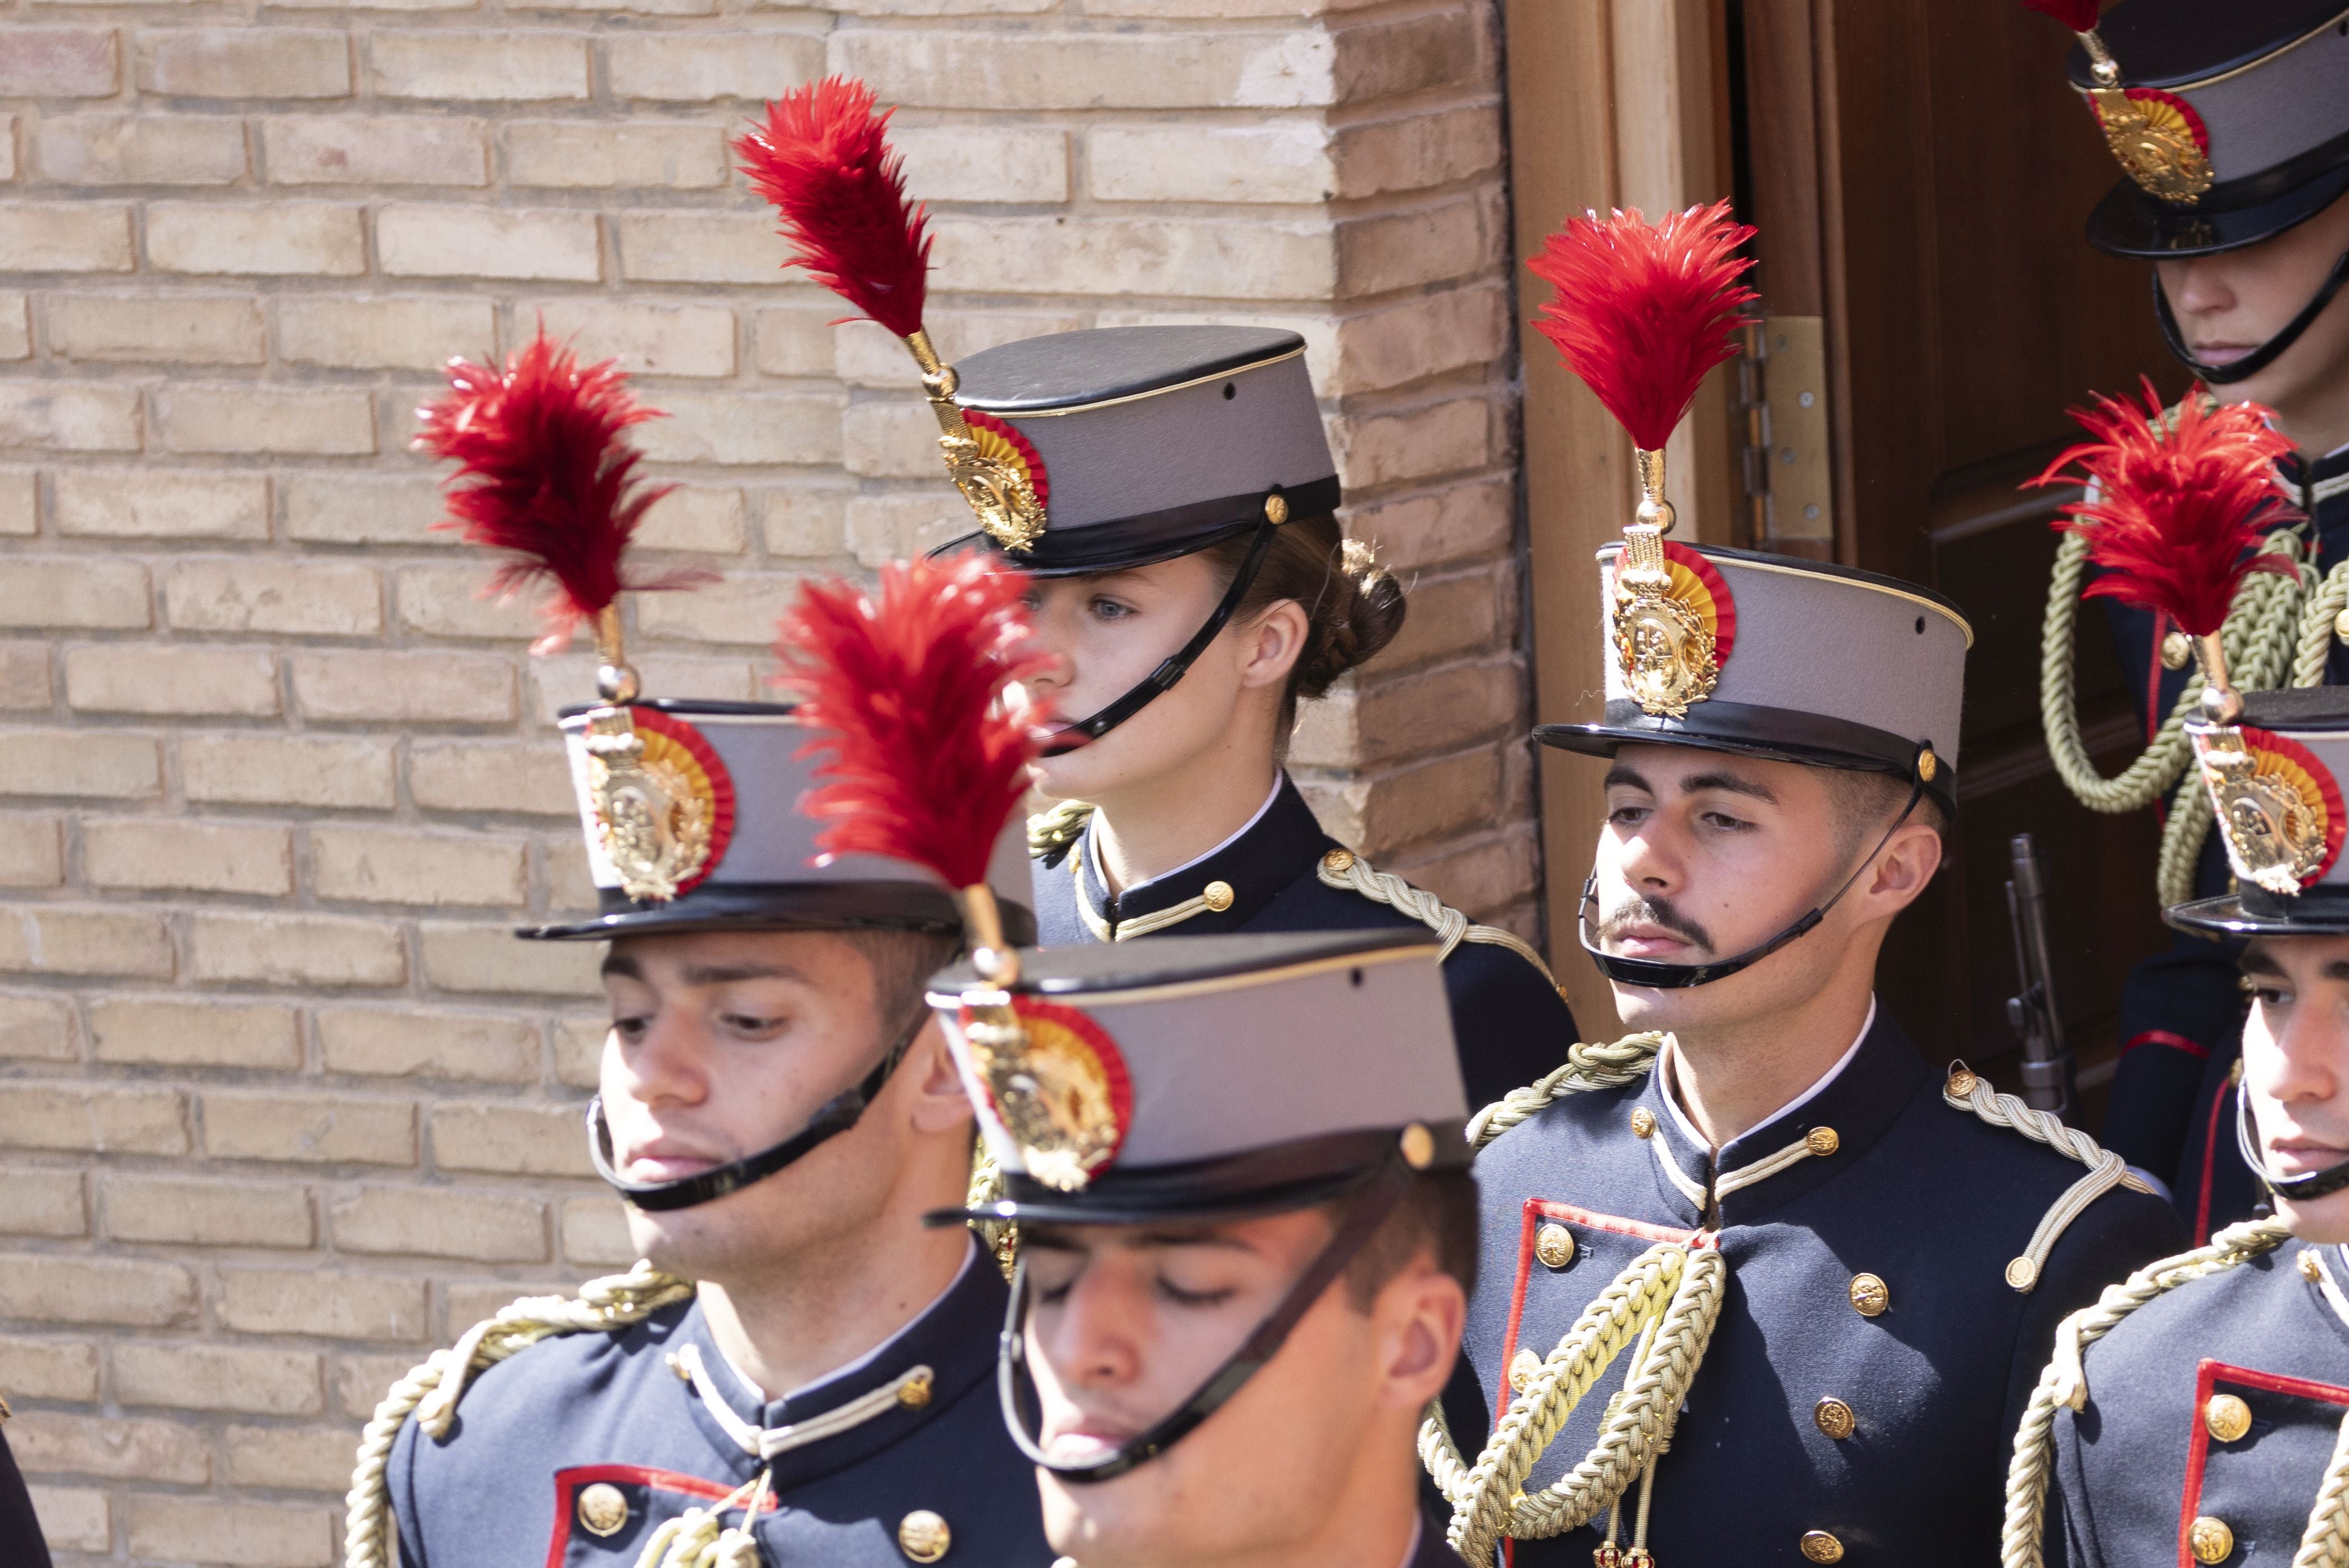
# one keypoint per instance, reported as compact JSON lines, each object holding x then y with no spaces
{"x":1382,"y":1187}
{"x":1661,"y":976}
{"x":836,"y":1116}
{"x":2259,"y":358}
{"x":1158,"y":682}
{"x":2299,"y":1189}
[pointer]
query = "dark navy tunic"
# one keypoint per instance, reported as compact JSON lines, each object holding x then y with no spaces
{"x":1929,"y":1199}
{"x":1510,"y":1023}
{"x":2140,"y":1464}
{"x":533,"y":1433}
{"x":21,"y":1545}
{"x":2172,"y":1108}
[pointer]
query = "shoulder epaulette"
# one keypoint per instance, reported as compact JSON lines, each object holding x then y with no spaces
{"x":1345,"y":868}
{"x":1589,"y":1065}
{"x":432,"y":1390}
{"x":1050,"y":832}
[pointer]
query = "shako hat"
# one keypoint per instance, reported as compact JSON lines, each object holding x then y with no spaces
{"x":2274,"y":784}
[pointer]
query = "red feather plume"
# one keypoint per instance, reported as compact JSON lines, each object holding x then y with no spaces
{"x":2080,"y":15}
{"x":930,"y":748}
{"x":824,"y":158}
{"x":550,"y":478}
{"x":2180,"y":506}
{"x":1643,"y":311}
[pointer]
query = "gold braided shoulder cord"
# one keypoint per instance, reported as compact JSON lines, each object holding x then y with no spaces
{"x":1058,"y":828}
{"x":432,"y":1390}
{"x":1666,"y":1303}
{"x":1968,"y":1091}
{"x":1346,"y":870}
{"x":2065,"y":1382}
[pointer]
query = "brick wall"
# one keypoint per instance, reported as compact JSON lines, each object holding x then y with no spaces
{"x":281,"y":1105}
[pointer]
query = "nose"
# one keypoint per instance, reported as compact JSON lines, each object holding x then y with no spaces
{"x":2300,"y":1064}
{"x":1044,"y":642}
{"x":1649,"y":857}
{"x":667,"y":1066}
{"x":1092,"y":1341}
{"x":2196,"y":286}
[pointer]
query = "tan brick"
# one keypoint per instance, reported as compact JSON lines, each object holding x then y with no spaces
{"x":1462,"y":522}
{"x":1275,"y":161}
{"x":171,"y":1031}
{"x":35,"y":1028}
{"x":1417,"y":150}
{"x":160,"y":503}
{"x":807,"y":521}
{"x":20,"y":511}
{"x":455,"y":602}
{"x":324,"y":1304}
{"x":129,"y":678}
{"x":69,"y":417}
{"x":294,"y":950}
{"x":579,"y":1050}
{"x":1421,"y":336}
{"x":97,"y":1119}
{"x":744,"y":428}
{"x":245,"y":62}
{"x":65,"y":237}
{"x":647,"y":338}
{"x":437,"y":1221}
{"x":350,"y":150}
{"x":405,"y":687}
{"x":62,"y":1444}
{"x":89,"y":592}
{"x":32,"y":850}
{"x":708,"y":67}
{"x":1249,"y":260}
{"x":566,"y":154}
{"x":596,"y":1232}
{"x":473,"y":957}
{"x":966,"y":163}
{"x":1420,"y":444}
{"x":394,"y":865}
{"x":526,"y":777}
{"x":309,"y":1127}
{"x":686,"y":247}
{"x":175,"y":329}
{"x":569,"y":883}
{"x":50,"y":1288}
{"x":242,"y":1534}
{"x":502,"y":67}
{"x":15,"y":308}
{"x":426,"y":241}
{"x":946,"y":68}
{"x":1412,"y":715}
{"x":361,"y":1382}
{"x":884,"y":528}
{"x":143,"y":149}
{"x":73,"y":1518}
{"x":204,"y":1213}
{"x":293,"y":597}
{"x":219,"y":1377}
{"x":41,"y":1203}
{"x":1445,"y":239}
{"x":801,"y":340}
{"x":510,"y":1139}
{"x":298,"y":1459}
{"x":699,"y":518}
{"x":288,"y":770}
{"x":466,"y":1302}
{"x":879,"y":441}
{"x":24,"y":681}
{"x":53,"y":939}
{"x":382,"y":335}
{"x":246,"y":418}
{"x":48,"y":1368}
{"x":201,"y":857}
{"x":498,"y":1048}
{"x":742,"y":609}
{"x":366,"y":509}
{"x":567,"y":680}
{"x":90,"y":763}
{"x":58,"y":62}
{"x":298,"y":239}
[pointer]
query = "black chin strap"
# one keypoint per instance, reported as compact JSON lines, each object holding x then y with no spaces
{"x":2299,"y":1189}
{"x":2259,"y":358}
{"x":1070,"y":736}
{"x":1661,"y":976}
{"x":1017,"y":1389}
{"x":836,"y":1116}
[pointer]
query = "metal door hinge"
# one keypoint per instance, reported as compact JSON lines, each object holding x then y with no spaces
{"x":1783,"y":391}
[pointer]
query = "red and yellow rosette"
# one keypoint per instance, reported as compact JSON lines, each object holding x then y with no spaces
{"x":1063,"y":1093}
{"x":1697,"y":584}
{"x":2278,"y":808}
{"x":999,"y":441}
{"x":2159,"y":140}
{"x":664,"y":804}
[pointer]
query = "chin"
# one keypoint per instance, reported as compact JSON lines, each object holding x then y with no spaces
{"x":2322,"y":1220}
{"x":1109,"y":1523}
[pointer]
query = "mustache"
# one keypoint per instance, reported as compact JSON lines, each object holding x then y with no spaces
{"x":1653,"y":912}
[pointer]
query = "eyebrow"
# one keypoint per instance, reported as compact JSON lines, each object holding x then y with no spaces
{"x":2258,"y":960}
{"x":1057,"y":1241}
{"x":626,"y":965}
{"x":1729,"y":783}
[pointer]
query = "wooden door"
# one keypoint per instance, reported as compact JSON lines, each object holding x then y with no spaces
{"x":1921,"y":173}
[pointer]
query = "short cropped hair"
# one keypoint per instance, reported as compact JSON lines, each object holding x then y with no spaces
{"x":902,"y":962}
{"x":1437,"y":1216}
{"x":1865,"y":804}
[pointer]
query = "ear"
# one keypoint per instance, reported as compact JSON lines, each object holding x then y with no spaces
{"x":1419,"y":1314}
{"x":939,"y":1103}
{"x":1270,"y":645}
{"x":1905,"y":866}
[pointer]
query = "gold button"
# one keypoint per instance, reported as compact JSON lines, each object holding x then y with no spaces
{"x":1961,"y":1084}
{"x":1418,"y":1145}
{"x":1822,"y":1142}
{"x":1216,"y":896}
{"x":603,"y":1509}
{"x":915,"y":1391}
{"x":2227,"y":1416}
{"x":1821,"y":1547}
{"x":1276,"y":510}
{"x":1869,"y":1295}
{"x":1644,"y":1121}
{"x":1926,"y":765}
{"x":2210,"y":1540}
{"x":1338,"y":861}
{"x":2021,"y":1274}
{"x":1523,"y":1366}
{"x":1554,"y":1245}
{"x":923,"y":1536}
{"x":1835,"y":1417}
{"x":2309,"y":1269}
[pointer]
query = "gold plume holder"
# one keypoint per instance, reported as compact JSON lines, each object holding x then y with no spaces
{"x":651,"y":823}
{"x":1663,"y":645}
{"x":1005,"y":501}
{"x":2271,"y":837}
{"x":2152,"y":144}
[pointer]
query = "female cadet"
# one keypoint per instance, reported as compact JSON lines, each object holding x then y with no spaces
{"x":1190,"y":585}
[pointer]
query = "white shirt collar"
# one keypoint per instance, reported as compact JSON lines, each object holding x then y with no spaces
{"x":1278,"y":779}
{"x":759,"y":1395}
{"x":1668,"y":1053}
